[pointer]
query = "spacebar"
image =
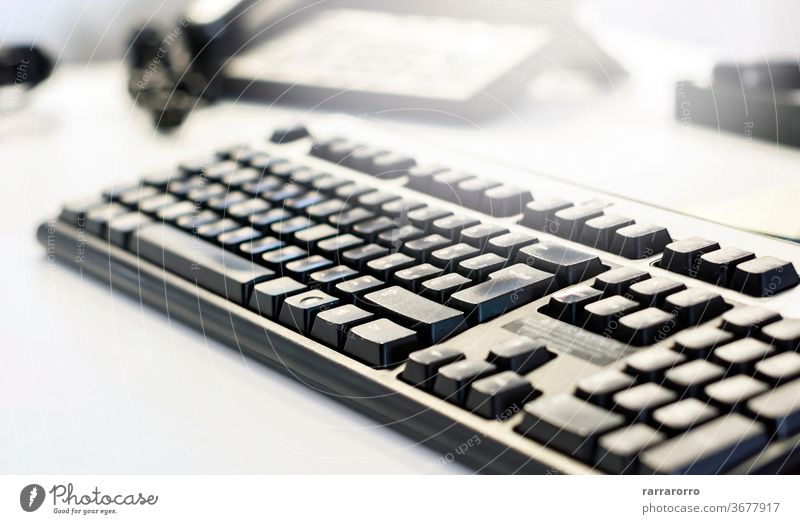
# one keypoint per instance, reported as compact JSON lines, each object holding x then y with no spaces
{"x":194,"y":259}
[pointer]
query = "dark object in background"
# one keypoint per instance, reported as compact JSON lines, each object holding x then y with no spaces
{"x":760,"y":100}
{"x":23,"y":65}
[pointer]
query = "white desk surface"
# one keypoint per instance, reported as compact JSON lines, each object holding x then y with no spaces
{"x":90,"y":382}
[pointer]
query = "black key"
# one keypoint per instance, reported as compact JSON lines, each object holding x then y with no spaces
{"x":246,"y":208}
{"x":453,"y":381}
{"x":520,"y":354}
{"x":333,"y":149}
{"x":395,"y":238}
{"x":381,"y":343}
{"x":268,"y":297}
{"x":277,"y":257}
{"x":132,"y":197}
{"x":424,"y":217}
{"x":692,"y":377}
{"x":385,"y":267}
{"x":359,"y":256}
{"x":650,"y":364}
{"x":284,"y":135}
{"x":97,"y":218}
{"x":423,"y":366}
{"x":783,"y":334}
{"x":391,"y":165}
{"x":114,"y":192}
{"x":195,"y":220}
{"x":286,"y":192}
{"x":300,"y":269}
{"x":353,"y":290}
{"x":479,"y":235}
{"x":717,"y":267}
{"x":434,"y":322}
{"x":683,"y":256}
{"x":324,"y":210}
{"x":764,"y":276}
{"x":244,"y":176}
{"x":568,"y":424}
{"x":639,"y":402}
{"x":238,"y":236}
{"x":509,"y":244}
{"x":370,"y":229}
{"x":441,"y":288}
{"x":121,"y":227}
{"x":222,"y":203}
{"x":653,"y":291}
{"x":261,"y":245}
{"x":618,"y":452}
{"x":298,"y":311}
{"x":700,"y":341}
{"x":478,"y":268}
{"x":781,"y":368}
{"x":284,"y":169}
{"x":421,"y":248}
{"x":375,"y":199}
{"x":600,"y":387}
{"x":304,"y":201}
{"x":779,"y":409}
{"x":451,"y":226}
{"x":181,"y":188}
{"x":540,"y":214}
{"x":400,"y":208}
{"x":196,"y":165}
{"x":213,"y":230}
{"x":603,"y":316}
{"x":471,"y":192}
{"x":309,"y":238}
{"x":694,"y":306}
{"x":505,"y":201}
{"x":640,"y":241}
{"x":236,"y":152}
{"x":74,"y":212}
{"x":363,"y":159}
{"x":351,"y":192}
{"x":332,"y":326}
{"x":568,"y":223}
{"x":261,"y":185}
{"x":747,"y":321}
{"x":175,"y":211}
{"x":203,"y":194}
{"x":617,"y":281}
{"x":305,"y":176}
{"x":598,"y":232}
{"x":329,"y":183}
{"x":334,"y":246}
{"x":327,"y":279}
{"x":732,"y":393}
{"x":567,"y":305}
{"x":645,"y":327}
{"x":286,"y":228}
{"x":741,"y":355}
{"x":420,"y":177}
{"x":500,"y":396}
{"x":265,"y":221}
{"x":217,"y":170}
{"x":209,"y":266}
{"x":710,"y":449}
{"x":155,"y":203}
{"x":569,"y":265}
{"x":161,"y":179}
{"x":413,"y":277}
{"x":449,"y":257}
{"x":445,"y":185}
{"x":506,"y":289}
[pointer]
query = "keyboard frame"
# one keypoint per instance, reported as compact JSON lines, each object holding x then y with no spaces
{"x":378,"y":393}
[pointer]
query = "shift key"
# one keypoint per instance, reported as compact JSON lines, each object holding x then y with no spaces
{"x":196,"y":260}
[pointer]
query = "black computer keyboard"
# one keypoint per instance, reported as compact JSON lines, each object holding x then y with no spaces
{"x":453,"y":297}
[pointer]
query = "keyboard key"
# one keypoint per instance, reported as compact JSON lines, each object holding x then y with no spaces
{"x":639,"y":402}
{"x":175,"y":211}
{"x":698,"y":342}
{"x":509,"y":244}
{"x":568,"y":223}
{"x":399,"y":209}
{"x":363,"y":159}
{"x":203,"y":194}
{"x":717,"y":266}
{"x":310,"y":237}
{"x":441,"y":288}
{"x":731,"y":394}
{"x":683,"y":256}
{"x":268,"y":297}
{"x":423,"y":366}
{"x":350,"y":192}
{"x":345,"y":220}
{"x":233,"y":238}
{"x":520,"y":354}
{"x":567,"y":305}
{"x":650,"y":364}
{"x":375,"y":199}
{"x":353,"y":290}
{"x":97,"y":218}
{"x":617,"y":281}
{"x":779,"y":408}
{"x":359,"y":256}
{"x":740,"y":356}
{"x":370,"y":229}
{"x":640,"y":241}
{"x":694,"y":306}
{"x":262,"y":184}
{"x":653,"y":291}
{"x":764,"y":276}
{"x":506,"y":289}
{"x":478,"y":268}
{"x":600,"y":387}
{"x":324,"y":210}
{"x":205,"y":264}
{"x":444,"y":185}
{"x":471,"y":192}
{"x":278,"y":257}
{"x":395,"y":238}
{"x":332,"y":247}
{"x":424,"y":217}
{"x":540,"y":214}
{"x":290,"y":226}
{"x":121,"y":227}
{"x":301,"y":268}
{"x":298,"y":311}
{"x":450,"y":257}
{"x":453,"y":381}
{"x":570,"y":266}
{"x":391,"y":165}
{"x":222,"y":203}
{"x":499,"y":396}
{"x":783,"y":334}
{"x":284,"y":135}
{"x":413,"y":277}
{"x":328,"y":184}
{"x":215,"y":229}
{"x":303,"y":201}
{"x":196,"y":220}
{"x":505,"y":201}
{"x":161,"y":179}
{"x":692,"y":377}
{"x":264,"y":221}
{"x":155,"y":203}
{"x":479,"y":235}
{"x":451,"y":226}
{"x":421,"y":248}
{"x":420,"y":177}
{"x":747,"y":321}
{"x":261,"y":245}
{"x":332,"y":326}
{"x":385,"y":267}
{"x":381,"y":343}
{"x":602,"y":316}
{"x":431,"y":320}
{"x":568,"y":424}
{"x":779,"y":369}
{"x":327,"y":279}
{"x":618,"y":452}
{"x":709,"y":449}
{"x":598,"y":232}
